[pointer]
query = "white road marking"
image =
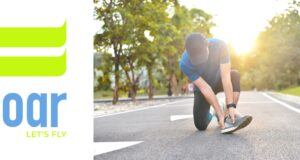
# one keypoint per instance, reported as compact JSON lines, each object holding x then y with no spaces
{"x":179,"y":117}
{"x":282,"y":103}
{"x":162,"y":105}
{"x":144,"y":108}
{"x":255,"y":102}
{"x":104,"y":147}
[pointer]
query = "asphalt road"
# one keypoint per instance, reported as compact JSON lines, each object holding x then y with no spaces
{"x":273,"y":134}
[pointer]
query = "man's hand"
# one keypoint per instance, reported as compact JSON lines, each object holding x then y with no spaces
{"x":221,"y":121}
{"x":232,"y":113}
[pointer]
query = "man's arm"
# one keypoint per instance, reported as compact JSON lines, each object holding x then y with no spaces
{"x":226,"y":82}
{"x":211,"y":98}
{"x":227,"y":86}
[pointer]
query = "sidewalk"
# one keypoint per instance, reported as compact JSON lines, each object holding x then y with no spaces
{"x":105,"y":107}
{"x":144,"y":98}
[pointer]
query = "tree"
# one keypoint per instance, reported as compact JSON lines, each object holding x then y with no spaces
{"x":113,"y":35}
{"x":125,"y":23}
{"x":277,"y":52}
{"x":185,"y":21}
{"x":150,"y":49}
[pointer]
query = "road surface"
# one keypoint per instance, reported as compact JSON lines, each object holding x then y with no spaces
{"x":167,"y":132}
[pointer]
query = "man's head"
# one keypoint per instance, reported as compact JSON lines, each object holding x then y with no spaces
{"x":196,"y":46}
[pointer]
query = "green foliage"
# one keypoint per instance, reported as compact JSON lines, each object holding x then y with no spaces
{"x":104,"y":65}
{"x":125,"y":23}
{"x":127,"y":52}
{"x":275,"y":64}
{"x":183,"y":22}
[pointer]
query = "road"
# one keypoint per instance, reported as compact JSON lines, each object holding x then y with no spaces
{"x":149,"y":134}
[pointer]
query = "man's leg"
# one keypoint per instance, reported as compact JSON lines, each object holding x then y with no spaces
{"x":241,"y":121}
{"x":235,"y":80}
{"x":202,"y":116}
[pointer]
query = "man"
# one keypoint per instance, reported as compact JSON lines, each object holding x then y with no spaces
{"x":207,"y":65}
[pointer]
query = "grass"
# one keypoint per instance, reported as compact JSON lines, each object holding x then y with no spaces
{"x":292,"y":91}
{"x":107,"y":94}
{"x":102,"y":94}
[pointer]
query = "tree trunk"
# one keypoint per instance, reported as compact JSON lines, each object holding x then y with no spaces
{"x":169,"y":88}
{"x":150,"y":86}
{"x":117,"y":77}
{"x":298,"y":79}
{"x":174,"y":84}
{"x":133,"y":82}
{"x":117,"y":73}
{"x":131,"y":85}
{"x":117,"y":53}
{"x":134,"y":91}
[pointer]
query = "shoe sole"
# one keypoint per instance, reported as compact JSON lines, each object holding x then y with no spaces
{"x":241,"y":125}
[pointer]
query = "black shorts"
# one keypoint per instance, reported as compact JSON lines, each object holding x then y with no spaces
{"x":235,"y":81}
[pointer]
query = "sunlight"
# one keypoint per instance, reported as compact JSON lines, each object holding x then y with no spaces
{"x":242,"y":39}
{"x":241,"y":46}
{"x":239,"y":22}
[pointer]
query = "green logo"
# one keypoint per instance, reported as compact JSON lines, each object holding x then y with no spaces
{"x":33,"y":65}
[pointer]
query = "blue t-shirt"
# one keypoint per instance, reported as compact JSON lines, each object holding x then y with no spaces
{"x":210,"y":70}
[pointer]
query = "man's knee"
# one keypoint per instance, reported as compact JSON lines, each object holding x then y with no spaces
{"x":202,"y":117}
{"x":202,"y":127}
{"x":201,"y":109}
{"x":201,"y":122}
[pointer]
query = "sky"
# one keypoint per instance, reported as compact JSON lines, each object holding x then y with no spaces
{"x":239,"y":22}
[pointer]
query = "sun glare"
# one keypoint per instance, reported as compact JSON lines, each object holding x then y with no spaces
{"x":239,"y":22}
{"x":241,"y":40}
{"x":241,"y":43}
{"x":242,"y":47}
